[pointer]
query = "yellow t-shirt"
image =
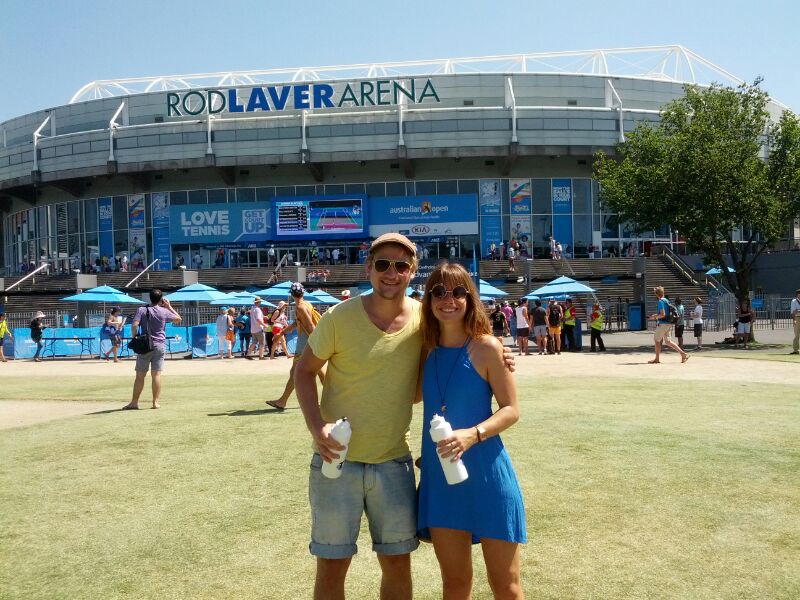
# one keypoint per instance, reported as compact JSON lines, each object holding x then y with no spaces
{"x":3,"y":330}
{"x":371,"y":379}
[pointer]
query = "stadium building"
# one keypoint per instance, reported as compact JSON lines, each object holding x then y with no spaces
{"x":455,"y":153}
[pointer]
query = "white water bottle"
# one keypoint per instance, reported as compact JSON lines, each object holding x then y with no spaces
{"x":341,"y":432}
{"x":454,"y":472}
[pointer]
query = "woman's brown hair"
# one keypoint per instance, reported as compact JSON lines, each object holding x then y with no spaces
{"x":451,"y":275}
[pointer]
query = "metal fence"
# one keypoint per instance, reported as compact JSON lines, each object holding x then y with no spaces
{"x":770,"y":312}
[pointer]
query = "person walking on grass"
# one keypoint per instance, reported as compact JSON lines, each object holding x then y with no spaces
{"x":376,"y":396}
{"x":499,"y":323}
{"x":539,"y":320}
{"x":795,"y":314}
{"x":280,"y":321}
{"x":4,"y":331}
{"x":111,"y":332}
{"x":153,"y":319}
{"x":304,"y":323}
{"x":663,"y":327}
{"x":697,"y":322}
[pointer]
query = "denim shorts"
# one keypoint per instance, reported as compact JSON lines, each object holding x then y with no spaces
{"x":154,"y":359}
{"x":385,"y":491}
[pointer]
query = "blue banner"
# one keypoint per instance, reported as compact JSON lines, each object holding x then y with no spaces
{"x":161,"y":245}
{"x":491,"y":232}
{"x":106,"y":226}
{"x":490,"y":196}
{"x":562,"y":196}
{"x":423,"y":216}
{"x":220,"y":223}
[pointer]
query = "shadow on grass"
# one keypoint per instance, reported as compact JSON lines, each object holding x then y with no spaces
{"x":248,"y":413}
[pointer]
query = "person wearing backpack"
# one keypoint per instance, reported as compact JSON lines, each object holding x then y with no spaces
{"x":666,"y":316}
{"x":554,"y":317}
{"x":306,"y":319}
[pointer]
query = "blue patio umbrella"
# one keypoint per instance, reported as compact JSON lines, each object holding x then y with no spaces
{"x":561,"y":286}
{"x":324,"y":297}
{"x":718,"y":271}
{"x":239,"y":299}
{"x":196,"y":292}
{"x":279,"y":291}
{"x":488,"y":290}
{"x":104,"y":293}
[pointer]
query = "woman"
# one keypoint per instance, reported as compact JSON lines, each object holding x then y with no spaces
{"x":745,"y":317}
{"x":463,"y":369}
{"x":224,"y":327}
{"x":111,"y":331}
{"x":280,"y":321}
{"x":596,"y":328}
{"x":697,"y":322}
{"x":37,"y":327}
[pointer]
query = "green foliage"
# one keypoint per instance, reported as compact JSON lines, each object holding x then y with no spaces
{"x":701,"y":170}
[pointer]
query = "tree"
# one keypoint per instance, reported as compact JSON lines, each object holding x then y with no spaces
{"x":715,"y":163}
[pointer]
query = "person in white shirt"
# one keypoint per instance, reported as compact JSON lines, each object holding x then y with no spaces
{"x":224,"y":325}
{"x":795,"y":312}
{"x":697,"y":321}
{"x":258,"y":338}
{"x":197,"y":261}
{"x":335,"y":255}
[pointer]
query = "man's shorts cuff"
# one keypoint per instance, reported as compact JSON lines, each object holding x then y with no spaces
{"x":333,"y":551}
{"x":396,"y":548}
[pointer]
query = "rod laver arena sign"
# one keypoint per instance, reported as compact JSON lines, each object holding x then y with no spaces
{"x":300,"y":96}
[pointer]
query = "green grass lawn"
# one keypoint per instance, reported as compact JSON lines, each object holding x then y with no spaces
{"x":634,"y":489}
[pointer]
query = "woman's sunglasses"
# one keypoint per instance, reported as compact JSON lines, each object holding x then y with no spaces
{"x":439,"y":291}
{"x":401,"y":266}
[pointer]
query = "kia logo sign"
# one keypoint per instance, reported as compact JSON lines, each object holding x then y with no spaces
{"x":420,"y":229}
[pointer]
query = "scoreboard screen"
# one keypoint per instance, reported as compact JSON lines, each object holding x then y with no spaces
{"x":316,"y":217}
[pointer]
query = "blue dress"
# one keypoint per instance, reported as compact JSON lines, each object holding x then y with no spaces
{"x":489,"y":503}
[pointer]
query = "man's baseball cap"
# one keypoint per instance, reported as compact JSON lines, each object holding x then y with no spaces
{"x":257,"y":300}
{"x":297,"y":289}
{"x":224,"y":308}
{"x":393,"y":238}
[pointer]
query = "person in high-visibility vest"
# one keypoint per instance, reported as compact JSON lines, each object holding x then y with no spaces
{"x":568,"y":329}
{"x":596,"y":328}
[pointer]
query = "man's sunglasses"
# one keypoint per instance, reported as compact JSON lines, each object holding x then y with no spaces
{"x":439,"y":291}
{"x":401,"y":266}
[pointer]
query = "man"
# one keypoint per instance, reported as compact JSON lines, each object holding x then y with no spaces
{"x":568,"y":328}
{"x":335,"y":255}
{"x":795,"y":312}
{"x":523,"y":326}
{"x":554,"y":318}
{"x":663,"y":327}
{"x":257,"y":325}
{"x":4,"y":331}
{"x":539,"y":319}
{"x":596,"y":328}
{"x":197,"y":261}
{"x":154,"y":321}
{"x":304,"y":323}
{"x":376,"y":396}
{"x":499,"y":323}
{"x":512,"y":254}
{"x":271,"y":255}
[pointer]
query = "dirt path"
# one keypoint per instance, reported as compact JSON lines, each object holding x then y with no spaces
{"x":623,"y":362}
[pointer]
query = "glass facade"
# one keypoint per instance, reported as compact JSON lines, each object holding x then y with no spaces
{"x":117,"y":232}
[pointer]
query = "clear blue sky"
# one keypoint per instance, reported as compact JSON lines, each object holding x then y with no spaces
{"x":50,"y":48}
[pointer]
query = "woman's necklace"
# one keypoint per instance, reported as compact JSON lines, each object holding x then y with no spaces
{"x":443,"y":394}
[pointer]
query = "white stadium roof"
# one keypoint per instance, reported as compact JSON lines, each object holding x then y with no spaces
{"x":661,"y":63}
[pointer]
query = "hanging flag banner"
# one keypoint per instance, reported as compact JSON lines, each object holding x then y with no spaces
{"x":491,"y":233}
{"x":161,"y":247}
{"x":562,"y":213}
{"x":490,"y":196}
{"x":521,"y":233}
{"x":136,"y":232}
{"x":106,"y":224}
{"x":520,"y":196}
